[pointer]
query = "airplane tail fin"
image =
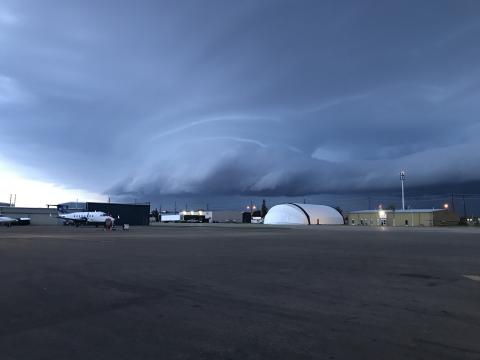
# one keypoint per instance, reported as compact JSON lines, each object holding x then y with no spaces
{"x":62,"y":209}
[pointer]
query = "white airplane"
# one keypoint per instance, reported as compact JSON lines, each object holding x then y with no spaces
{"x":86,"y":218}
{"x":7,"y":221}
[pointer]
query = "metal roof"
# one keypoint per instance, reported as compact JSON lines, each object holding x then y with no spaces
{"x":368,"y":211}
{"x":420,"y":210}
{"x":397,"y":211}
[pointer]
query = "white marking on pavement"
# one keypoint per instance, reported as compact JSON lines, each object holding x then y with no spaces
{"x":472,"y":277}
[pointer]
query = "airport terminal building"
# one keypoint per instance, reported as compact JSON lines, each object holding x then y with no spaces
{"x":410,"y":217}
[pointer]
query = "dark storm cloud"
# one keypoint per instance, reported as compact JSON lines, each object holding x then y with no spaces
{"x":264,"y":98}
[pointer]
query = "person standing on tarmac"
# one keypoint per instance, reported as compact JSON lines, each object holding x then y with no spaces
{"x":108,"y":224}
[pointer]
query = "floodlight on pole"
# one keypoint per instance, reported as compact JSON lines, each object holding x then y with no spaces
{"x":402,"y":179}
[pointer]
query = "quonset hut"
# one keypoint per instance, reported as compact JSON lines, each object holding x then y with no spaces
{"x":303,"y":214}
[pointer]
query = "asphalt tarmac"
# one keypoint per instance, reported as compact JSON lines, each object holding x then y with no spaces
{"x":239,"y":292}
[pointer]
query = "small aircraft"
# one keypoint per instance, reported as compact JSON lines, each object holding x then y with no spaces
{"x":86,"y":218}
{"x":7,"y":221}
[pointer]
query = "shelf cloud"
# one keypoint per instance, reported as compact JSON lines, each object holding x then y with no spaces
{"x":274,"y":98}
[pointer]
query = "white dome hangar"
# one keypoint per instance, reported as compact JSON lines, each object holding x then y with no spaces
{"x":303,"y":214}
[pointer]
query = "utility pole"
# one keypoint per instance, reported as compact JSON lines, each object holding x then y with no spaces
{"x":252,"y":208}
{"x":453,"y":204}
{"x":464,"y":207}
{"x":402,"y":179}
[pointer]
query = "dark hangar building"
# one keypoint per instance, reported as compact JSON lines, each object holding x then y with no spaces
{"x":132,"y":214}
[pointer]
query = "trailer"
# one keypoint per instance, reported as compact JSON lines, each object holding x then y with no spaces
{"x":170,"y":218}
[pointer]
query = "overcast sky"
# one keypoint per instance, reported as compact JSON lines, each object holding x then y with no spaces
{"x":228,"y":98}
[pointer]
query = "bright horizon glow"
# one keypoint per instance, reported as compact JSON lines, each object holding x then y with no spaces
{"x":34,"y":193}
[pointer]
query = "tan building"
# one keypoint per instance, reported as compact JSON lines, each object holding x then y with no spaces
{"x":411,"y":217}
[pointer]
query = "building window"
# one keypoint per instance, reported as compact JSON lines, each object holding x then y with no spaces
{"x":353,"y":221}
{"x":406,"y":222}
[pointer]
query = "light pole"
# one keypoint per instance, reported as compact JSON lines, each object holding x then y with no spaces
{"x":402,"y":179}
{"x":251,"y":208}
